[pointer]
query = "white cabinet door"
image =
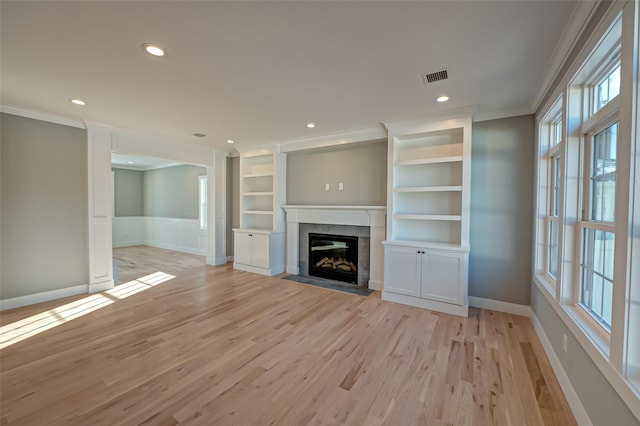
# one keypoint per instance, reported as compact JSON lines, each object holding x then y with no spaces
{"x":242,"y":248}
{"x":402,"y":270}
{"x":260,"y":250}
{"x":443,"y":276}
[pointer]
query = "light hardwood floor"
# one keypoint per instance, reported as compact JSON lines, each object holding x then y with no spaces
{"x":218,"y":346}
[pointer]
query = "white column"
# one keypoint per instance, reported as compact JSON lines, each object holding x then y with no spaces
{"x":100,"y":207}
{"x":217,"y":206}
{"x":376,"y":251}
{"x":293,"y":243}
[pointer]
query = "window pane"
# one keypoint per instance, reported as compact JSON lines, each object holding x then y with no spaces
{"x":608,"y":88}
{"x":603,"y":174}
{"x":598,"y":252}
{"x":608,"y":252}
{"x":607,"y":302}
{"x":556,"y":187}
{"x":553,"y":248}
{"x":596,"y":291}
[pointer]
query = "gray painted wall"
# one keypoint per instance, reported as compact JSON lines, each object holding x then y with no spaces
{"x":129,"y":192}
{"x":233,"y":200}
{"x":600,"y":400}
{"x":44,"y":206}
{"x":362,"y":168}
{"x":172,"y":192}
{"x":501,"y":209}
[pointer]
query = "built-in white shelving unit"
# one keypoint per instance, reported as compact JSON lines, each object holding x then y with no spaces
{"x":426,"y":251}
{"x":259,"y":243}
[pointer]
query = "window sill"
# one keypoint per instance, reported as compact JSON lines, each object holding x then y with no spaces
{"x":547,"y":283}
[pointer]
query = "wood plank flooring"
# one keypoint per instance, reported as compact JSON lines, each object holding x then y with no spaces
{"x":216,"y":346}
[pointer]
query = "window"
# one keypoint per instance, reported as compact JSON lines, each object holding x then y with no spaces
{"x":202,"y":201}
{"x":608,"y":88}
{"x":550,"y":172}
{"x":598,"y":233}
{"x":554,"y":212}
{"x":586,"y":260}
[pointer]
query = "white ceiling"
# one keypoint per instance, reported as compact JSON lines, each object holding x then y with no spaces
{"x":257,"y":72}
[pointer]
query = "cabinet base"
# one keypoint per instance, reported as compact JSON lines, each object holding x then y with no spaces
{"x":257,"y":270}
{"x":447,"y":308}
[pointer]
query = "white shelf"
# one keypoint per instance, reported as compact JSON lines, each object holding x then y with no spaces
{"x":435,"y":160}
{"x":265,"y":212}
{"x":256,"y":194}
{"x":257,"y":175}
{"x":427,"y":245}
{"x":445,"y":188}
{"x":447,"y":217}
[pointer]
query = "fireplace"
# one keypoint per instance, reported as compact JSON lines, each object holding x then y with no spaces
{"x":334,"y":257}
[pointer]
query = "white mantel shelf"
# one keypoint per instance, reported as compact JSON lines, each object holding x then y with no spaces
{"x":331,"y":207}
{"x":372,"y":216}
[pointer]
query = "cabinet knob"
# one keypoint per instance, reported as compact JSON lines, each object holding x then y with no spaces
{"x":251,"y":235}
{"x":418,"y":252}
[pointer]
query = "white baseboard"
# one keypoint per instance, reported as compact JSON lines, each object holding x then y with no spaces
{"x":45,"y":296}
{"x":101,"y":286}
{"x":376,"y":285}
{"x":257,"y":270}
{"x":130,"y":244}
{"x":569,"y":392}
{"x":292,"y":270}
{"x":433,"y":305}
{"x":497,"y":305}
{"x":187,"y":250}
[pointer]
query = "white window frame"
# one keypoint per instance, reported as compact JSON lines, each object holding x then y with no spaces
{"x":552,"y":130}
{"x":596,"y":123}
{"x":202,"y":202}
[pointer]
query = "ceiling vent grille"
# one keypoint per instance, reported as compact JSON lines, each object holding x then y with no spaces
{"x":199,"y":135}
{"x":435,"y":76}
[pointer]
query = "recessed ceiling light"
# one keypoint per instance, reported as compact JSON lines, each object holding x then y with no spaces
{"x":129,"y":162}
{"x":154,"y":49}
{"x":442,"y":99}
{"x":311,"y":125}
{"x":229,"y":141}
{"x":78,"y":102}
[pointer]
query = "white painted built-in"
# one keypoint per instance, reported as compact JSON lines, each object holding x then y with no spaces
{"x":371,"y":216}
{"x":426,"y":253}
{"x":259,"y":241}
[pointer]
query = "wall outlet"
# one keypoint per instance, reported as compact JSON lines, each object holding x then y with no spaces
{"x":340,"y":186}
{"x":564,"y":342}
{"x":326,"y":186}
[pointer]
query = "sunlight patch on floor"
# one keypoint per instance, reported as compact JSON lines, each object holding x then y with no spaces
{"x":36,"y":324}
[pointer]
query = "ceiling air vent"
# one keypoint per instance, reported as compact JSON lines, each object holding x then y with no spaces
{"x":199,"y":135}
{"x":435,"y":76}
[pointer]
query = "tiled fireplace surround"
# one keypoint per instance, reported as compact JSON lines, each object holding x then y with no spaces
{"x":350,"y":219}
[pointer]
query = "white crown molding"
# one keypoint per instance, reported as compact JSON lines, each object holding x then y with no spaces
{"x":363,"y":134}
{"x":451,"y":114}
{"x":42,"y":116}
{"x":581,"y":15}
{"x":505,"y":113}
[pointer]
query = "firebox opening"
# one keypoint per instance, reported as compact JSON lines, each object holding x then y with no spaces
{"x":334,"y":257}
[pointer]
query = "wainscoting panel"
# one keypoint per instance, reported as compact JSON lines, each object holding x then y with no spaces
{"x":183,"y":235}
{"x":128,"y":231}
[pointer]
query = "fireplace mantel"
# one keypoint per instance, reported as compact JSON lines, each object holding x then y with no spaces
{"x":371,"y":216}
